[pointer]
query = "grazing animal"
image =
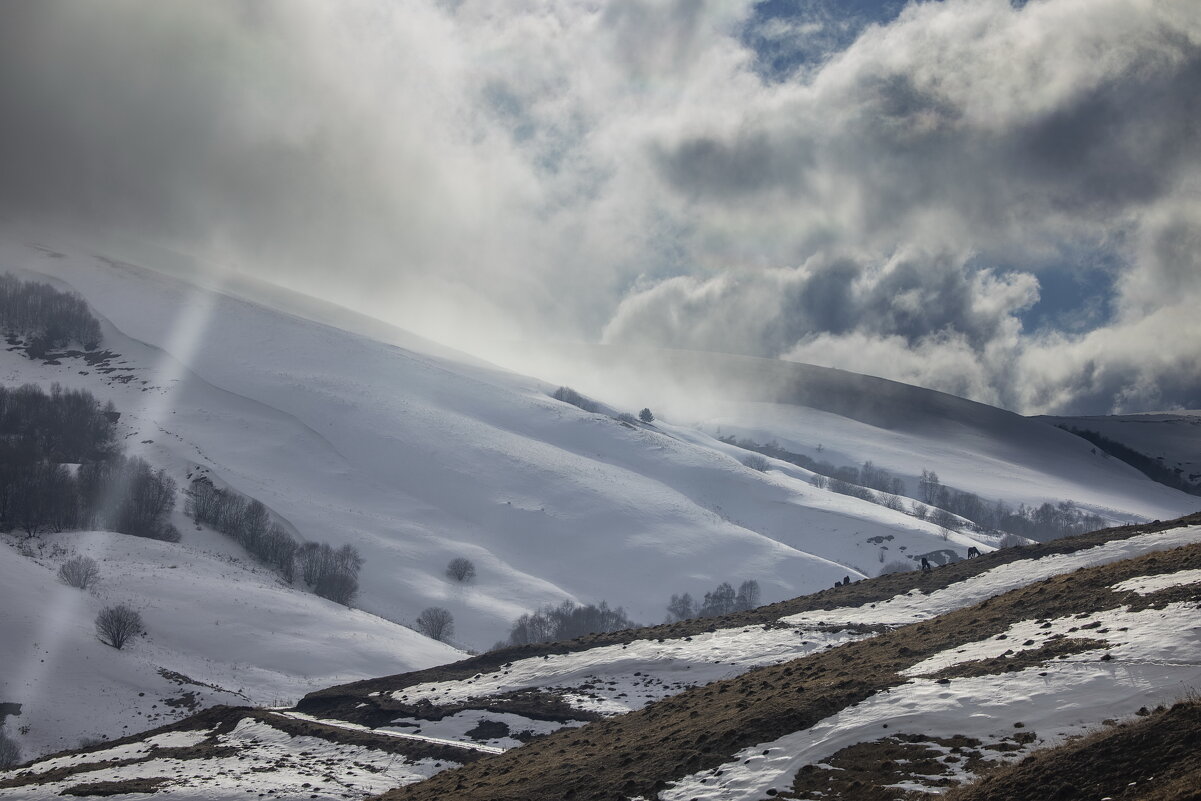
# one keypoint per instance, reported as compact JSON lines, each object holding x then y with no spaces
{"x":972,"y":552}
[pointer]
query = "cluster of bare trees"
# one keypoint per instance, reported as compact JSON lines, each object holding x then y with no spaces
{"x":566,"y":621}
{"x":1044,"y":522}
{"x":329,"y":572}
{"x":50,"y":318}
{"x":569,"y":395}
{"x":721,"y":601}
{"x":41,"y":435}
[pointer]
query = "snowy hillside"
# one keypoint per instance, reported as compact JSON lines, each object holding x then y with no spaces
{"x":357,"y":433}
{"x":847,"y":419}
{"x":1171,"y":439}
{"x":915,"y":681}
{"x":218,"y":632}
{"x":417,"y":459}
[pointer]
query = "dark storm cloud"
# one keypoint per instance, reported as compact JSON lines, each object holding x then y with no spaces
{"x":633,"y":171}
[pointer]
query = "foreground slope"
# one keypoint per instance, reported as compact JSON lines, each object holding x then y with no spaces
{"x":911,"y":682}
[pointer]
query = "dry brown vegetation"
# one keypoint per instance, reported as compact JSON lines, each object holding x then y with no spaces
{"x":1156,"y":757}
{"x":641,"y":752}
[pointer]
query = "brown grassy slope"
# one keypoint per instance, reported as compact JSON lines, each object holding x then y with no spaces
{"x":1153,"y":758}
{"x":344,"y":700}
{"x":640,"y":752}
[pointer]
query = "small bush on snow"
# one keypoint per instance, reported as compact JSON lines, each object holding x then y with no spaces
{"x":79,"y":571}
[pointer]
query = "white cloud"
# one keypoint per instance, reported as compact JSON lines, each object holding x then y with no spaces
{"x":479,"y":169}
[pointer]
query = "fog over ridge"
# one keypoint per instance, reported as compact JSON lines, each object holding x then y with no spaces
{"x":999,"y":201}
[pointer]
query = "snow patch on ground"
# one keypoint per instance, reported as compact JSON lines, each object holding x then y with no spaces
{"x":619,"y":678}
{"x":1145,"y":585}
{"x":916,"y":606}
{"x":1155,"y":656}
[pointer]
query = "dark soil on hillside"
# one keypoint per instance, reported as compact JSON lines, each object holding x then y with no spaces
{"x":639,"y":753}
{"x":1152,"y":758}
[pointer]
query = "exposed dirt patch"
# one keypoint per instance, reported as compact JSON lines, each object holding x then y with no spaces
{"x":489,"y":730}
{"x":862,"y":772}
{"x":1153,"y":758}
{"x":533,"y":704}
{"x":104,"y":789}
{"x":416,"y":749}
{"x":1008,"y":663}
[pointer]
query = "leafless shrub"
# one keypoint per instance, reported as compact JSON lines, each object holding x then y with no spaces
{"x":79,"y":571}
{"x":460,"y":569}
{"x":10,"y":753}
{"x":755,"y":462}
{"x":436,"y":623}
{"x":117,"y":625}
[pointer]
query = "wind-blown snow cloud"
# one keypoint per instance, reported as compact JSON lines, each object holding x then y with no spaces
{"x":897,"y":198}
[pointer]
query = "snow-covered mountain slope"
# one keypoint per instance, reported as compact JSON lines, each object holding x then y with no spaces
{"x":1173,"y":439}
{"x":847,"y":419}
{"x":355,"y":432}
{"x":417,"y":458}
{"x":915,"y":681}
{"x":218,"y":632}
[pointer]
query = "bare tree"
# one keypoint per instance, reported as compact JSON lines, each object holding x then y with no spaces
{"x":79,"y":571}
{"x":10,"y":754}
{"x":945,"y":521}
{"x":460,"y":569}
{"x":748,"y":595}
{"x":681,"y":607}
{"x":117,"y":625}
{"x":437,"y":623}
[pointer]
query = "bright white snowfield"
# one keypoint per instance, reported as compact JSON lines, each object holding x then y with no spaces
{"x":355,"y":432}
{"x":218,"y":633}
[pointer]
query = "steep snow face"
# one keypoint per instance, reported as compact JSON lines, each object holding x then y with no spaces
{"x":847,"y":419}
{"x":1173,"y":439}
{"x":998,"y":457}
{"x":416,"y":458}
{"x":217,"y":631}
